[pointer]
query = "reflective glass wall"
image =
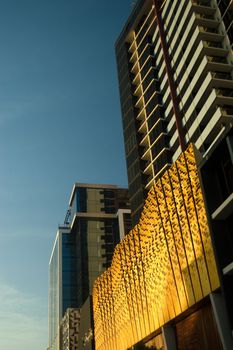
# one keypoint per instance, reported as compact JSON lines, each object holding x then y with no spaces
{"x":54,"y":296}
{"x":63,"y":286}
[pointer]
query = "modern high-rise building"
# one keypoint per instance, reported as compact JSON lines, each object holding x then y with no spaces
{"x":170,"y":283}
{"x":175,"y":67}
{"x":94,"y":221}
{"x":63,"y":285}
{"x":97,"y":216}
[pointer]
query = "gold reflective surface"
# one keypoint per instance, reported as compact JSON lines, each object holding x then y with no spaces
{"x":162,"y":267}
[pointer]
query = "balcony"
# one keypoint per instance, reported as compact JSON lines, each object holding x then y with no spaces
{"x":224,"y":93}
{"x":228,"y":270}
{"x":145,"y":141}
{"x":213,"y":127}
{"x":137,"y":91}
{"x":148,"y":170}
{"x":142,"y":127}
{"x":159,"y":145}
{"x":145,"y":154}
{"x":211,"y":39}
{"x":141,"y":115}
{"x":140,"y":102}
{"x":204,"y":11}
{"x":227,"y":112}
{"x":159,"y":129}
{"x":136,"y":80}
{"x":215,"y":51}
{"x":162,"y":160}
{"x":156,"y":118}
{"x":151,"y":76}
{"x":224,"y":98}
{"x":201,"y":3}
{"x":135,"y":68}
{"x":132,"y":47}
{"x":201,"y":7}
{"x":223,"y":80}
{"x":140,"y":62}
{"x":146,"y":53}
{"x":224,"y":210}
{"x":218,"y":65}
{"x":212,"y":35}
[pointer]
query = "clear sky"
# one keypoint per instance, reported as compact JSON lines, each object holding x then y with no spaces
{"x":60,"y":123}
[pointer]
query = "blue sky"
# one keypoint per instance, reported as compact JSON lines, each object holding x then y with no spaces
{"x":60,"y":123}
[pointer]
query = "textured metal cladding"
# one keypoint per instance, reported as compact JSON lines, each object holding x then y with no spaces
{"x":162,"y":267}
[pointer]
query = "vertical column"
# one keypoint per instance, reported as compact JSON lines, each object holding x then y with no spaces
{"x":169,"y":338}
{"x":175,"y":102}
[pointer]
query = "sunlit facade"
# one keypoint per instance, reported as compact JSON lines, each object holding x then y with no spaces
{"x":161,"y":269}
{"x":175,"y":69}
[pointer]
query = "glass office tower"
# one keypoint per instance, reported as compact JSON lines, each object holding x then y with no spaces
{"x":63,"y":285}
{"x":94,"y":223}
{"x":83,"y":248}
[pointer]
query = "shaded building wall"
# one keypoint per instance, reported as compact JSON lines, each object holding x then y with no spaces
{"x":86,"y":333}
{"x":217,"y":180}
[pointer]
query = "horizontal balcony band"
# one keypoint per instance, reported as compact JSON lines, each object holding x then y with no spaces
{"x":147,"y":137}
{"x":139,"y":116}
{"x":158,"y":174}
{"x":137,"y":91}
{"x":135,"y":45}
{"x":215,"y":51}
{"x":158,"y":155}
{"x":143,"y":127}
{"x":224,"y":100}
{"x":203,"y":10}
{"x":213,"y":37}
{"x":148,"y":170}
{"x":146,"y":154}
{"x":145,"y":142}
{"x":228,"y":270}
{"x":221,"y":82}
{"x":227,"y":112}
{"x":220,"y":67}
{"x":224,"y":210}
{"x":136,"y":57}
{"x":213,"y":128}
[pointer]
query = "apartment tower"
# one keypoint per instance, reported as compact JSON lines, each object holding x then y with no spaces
{"x":175,"y":68}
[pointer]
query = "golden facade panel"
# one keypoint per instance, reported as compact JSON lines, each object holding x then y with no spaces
{"x":162,"y":267}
